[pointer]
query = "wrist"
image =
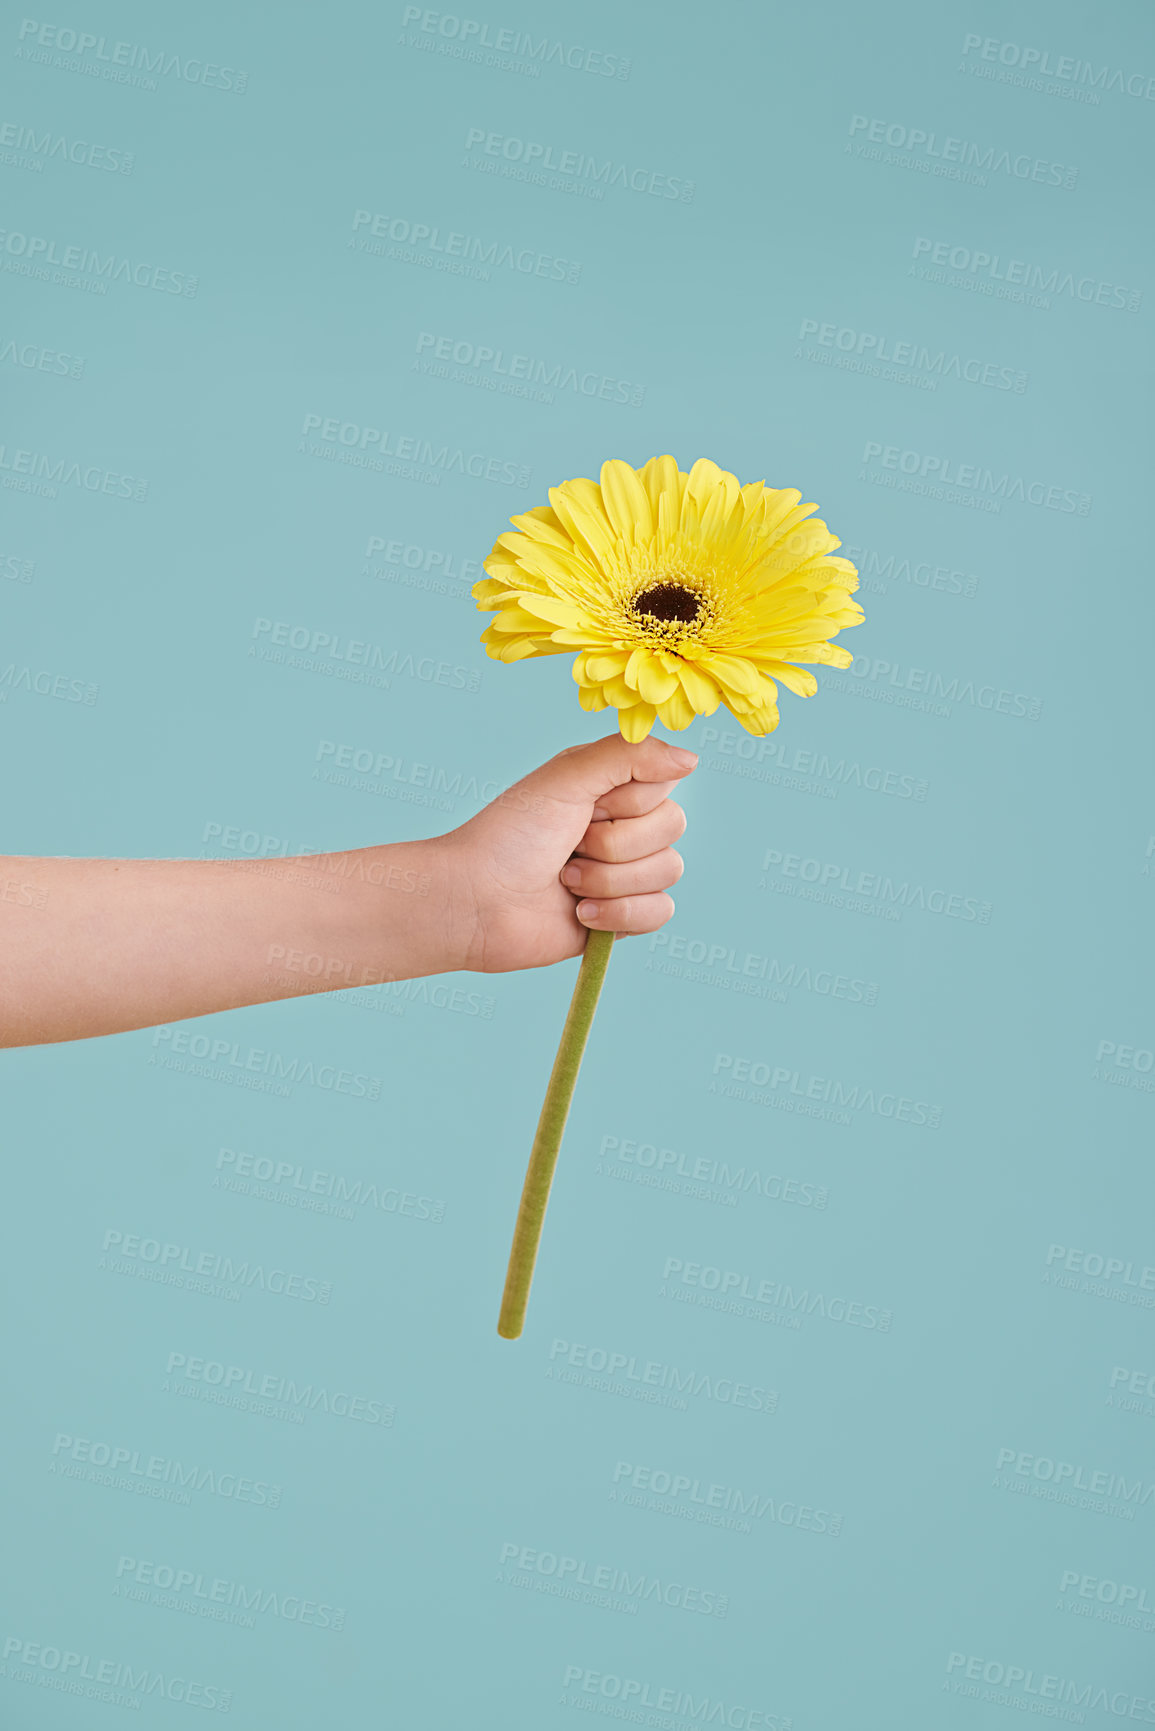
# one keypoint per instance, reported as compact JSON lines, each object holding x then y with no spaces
{"x":396,"y":909}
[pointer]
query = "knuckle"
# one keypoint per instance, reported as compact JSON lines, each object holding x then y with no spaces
{"x":676,"y":818}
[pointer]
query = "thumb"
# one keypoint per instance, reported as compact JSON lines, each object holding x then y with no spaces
{"x":581,"y":774}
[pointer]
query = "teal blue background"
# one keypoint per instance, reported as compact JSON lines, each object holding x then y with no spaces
{"x":939,"y":1580}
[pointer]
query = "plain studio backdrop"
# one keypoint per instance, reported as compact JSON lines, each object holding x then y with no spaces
{"x":834,"y":1407}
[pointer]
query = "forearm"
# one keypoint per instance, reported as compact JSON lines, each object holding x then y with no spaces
{"x":93,"y":946}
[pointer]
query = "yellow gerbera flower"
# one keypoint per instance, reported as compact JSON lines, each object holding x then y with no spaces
{"x":679,"y":592}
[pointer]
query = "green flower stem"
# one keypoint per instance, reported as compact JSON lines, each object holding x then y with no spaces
{"x":551,"y":1124}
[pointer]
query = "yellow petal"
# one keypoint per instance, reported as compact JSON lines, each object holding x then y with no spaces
{"x":808,"y":540}
{"x":775,"y":505}
{"x":699,"y":688}
{"x":752,"y":495}
{"x":544,"y":525}
{"x":618,"y":691}
{"x":795,"y":679}
{"x":701,"y":484}
{"x":636,"y":722}
{"x":499,"y":562}
{"x":759,"y":721}
{"x":549,"y":607}
{"x":579,"y":505}
{"x":626,"y":502}
{"x":652,"y":682}
{"x":579,"y":638}
{"x":516,"y":619}
{"x":790,"y":521}
{"x":705,"y":478}
{"x":552,"y":565}
{"x":662,"y":479}
{"x":677,"y":711}
{"x":733,"y":671}
{"x":607,"y":666}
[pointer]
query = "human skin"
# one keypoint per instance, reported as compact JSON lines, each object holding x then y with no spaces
{"x":100,"y":946}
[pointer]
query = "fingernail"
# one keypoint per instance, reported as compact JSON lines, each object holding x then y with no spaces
{"x":682,"y":756}
{"x":588,"y":910}
{"x":600,"y":813}
{"x":571,"y":874}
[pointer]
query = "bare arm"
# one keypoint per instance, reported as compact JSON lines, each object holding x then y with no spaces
{"x":97,"y":946}
{"x":94,"y":946}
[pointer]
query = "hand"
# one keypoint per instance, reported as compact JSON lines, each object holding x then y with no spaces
{"x":593,"y":825}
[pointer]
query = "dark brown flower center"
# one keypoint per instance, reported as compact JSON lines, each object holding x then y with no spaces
{"x":667,"y":602}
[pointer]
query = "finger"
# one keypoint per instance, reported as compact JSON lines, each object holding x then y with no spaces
{"x":634,"y":799}
{"x":589,"y":877}
{"x":633,"y":837}
{"x":626,"y":914}
{"x":581,"y":774}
